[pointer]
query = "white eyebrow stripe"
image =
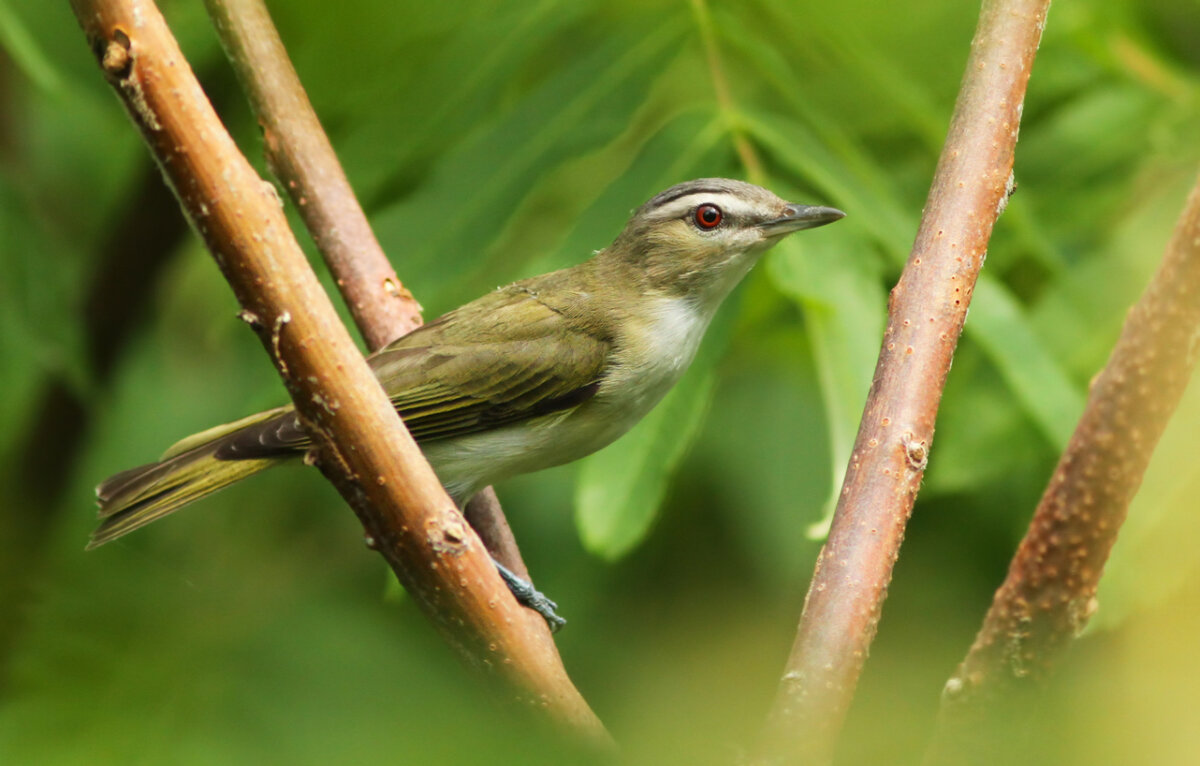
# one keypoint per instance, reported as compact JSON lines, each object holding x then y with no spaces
{"x":730,"y":204}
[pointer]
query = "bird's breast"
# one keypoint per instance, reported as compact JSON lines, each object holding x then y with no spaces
{"x":650,"y":355}
{"x":653,"y":352}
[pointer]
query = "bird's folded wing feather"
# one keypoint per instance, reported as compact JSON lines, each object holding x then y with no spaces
{"x":504,"y":358}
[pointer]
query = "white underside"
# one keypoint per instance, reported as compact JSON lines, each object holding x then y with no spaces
{"x":655,"y":354}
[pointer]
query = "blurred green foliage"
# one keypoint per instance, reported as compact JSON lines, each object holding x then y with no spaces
{"x":495,"y":140}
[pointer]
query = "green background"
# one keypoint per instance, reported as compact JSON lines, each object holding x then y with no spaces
{"x":494,"y":140}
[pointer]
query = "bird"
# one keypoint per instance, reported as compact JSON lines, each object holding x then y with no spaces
{"x":532,"y":375}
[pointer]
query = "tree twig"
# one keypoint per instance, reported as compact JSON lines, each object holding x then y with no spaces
{"x":361,"y":444}
{"x":300,"y":155}
{"x":1049,"y":593}
{"x":489,"y":522}
{"x":926,"y":313}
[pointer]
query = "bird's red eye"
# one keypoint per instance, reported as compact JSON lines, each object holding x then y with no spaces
{"x":708,"y":216}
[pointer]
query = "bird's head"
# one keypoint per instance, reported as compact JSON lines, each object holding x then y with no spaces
{"x":699,"y":238}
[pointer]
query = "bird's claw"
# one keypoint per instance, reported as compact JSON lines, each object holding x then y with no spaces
{"x":531,"y":597}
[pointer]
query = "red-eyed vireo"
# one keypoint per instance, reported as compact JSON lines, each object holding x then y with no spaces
{"x":532,"y":375}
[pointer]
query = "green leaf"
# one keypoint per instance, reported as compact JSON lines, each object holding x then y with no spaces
{"x":17,"y":41}
{"x":685,"y":144}
{"x":35,"y":342}
{"x":621,"y":487}
{"x":982,"y":441}
{"x":997,"y":321}
{"x":844,"y":177}
{"x":999,"y":325}
{"x":836,"y":283}
{"x":478,"y":184}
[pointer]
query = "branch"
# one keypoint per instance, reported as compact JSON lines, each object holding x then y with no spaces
{"x":926,"y":313}
{"x":1049,"y":593}
{"x":361,"y":444}
{"x":300,"y":155}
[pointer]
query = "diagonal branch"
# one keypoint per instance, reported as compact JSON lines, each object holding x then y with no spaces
{"x":925,"y":318}
{"x":361,"y":444}
{"x":1049,"y":593}
{"x":300,"y":155}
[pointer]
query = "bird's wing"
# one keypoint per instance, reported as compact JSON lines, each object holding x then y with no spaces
{"x":501,"y":359}
{"x":504,"y":358}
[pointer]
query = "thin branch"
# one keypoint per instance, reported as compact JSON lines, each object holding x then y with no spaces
{"x":361,"y":443}
{"x":1049,"y":593}
{"x":487,"y":518}
{"x":926,"y":313}
{"x":300,"y":155}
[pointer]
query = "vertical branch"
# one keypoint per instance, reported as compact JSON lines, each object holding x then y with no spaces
{"x":360,"y":442}
{"x":300,"y":155}
{"x":1049,"y":593}
{"x":140,"y":242}
{"x":925,"y":317}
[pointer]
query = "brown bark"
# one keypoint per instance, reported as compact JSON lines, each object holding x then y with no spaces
{"x":926,"y":313}
{"x":1049,"y":593}
{"x":300,"y":155}
{"x":361,"y":444}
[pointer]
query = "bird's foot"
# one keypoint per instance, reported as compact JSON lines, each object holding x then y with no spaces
{"x":531,"y":597}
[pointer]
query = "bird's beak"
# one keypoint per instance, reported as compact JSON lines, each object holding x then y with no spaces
{"x":797,"y":217}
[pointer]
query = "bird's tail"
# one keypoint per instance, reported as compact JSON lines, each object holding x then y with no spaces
{"x":191,"y":469}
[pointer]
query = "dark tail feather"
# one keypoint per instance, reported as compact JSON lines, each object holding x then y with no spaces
{"x":197,"y":466}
